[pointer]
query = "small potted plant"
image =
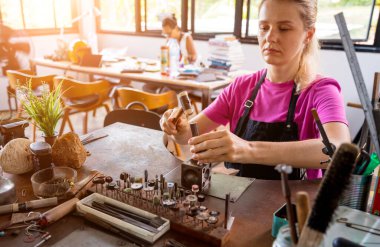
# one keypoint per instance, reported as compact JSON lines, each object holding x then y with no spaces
{"x":44,"y":109}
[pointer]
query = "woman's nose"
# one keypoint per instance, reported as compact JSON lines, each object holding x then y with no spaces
{"x":271,"y":35}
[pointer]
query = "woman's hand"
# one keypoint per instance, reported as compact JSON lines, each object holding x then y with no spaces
{"x":170,"y":126}
{"x":219,"y":146}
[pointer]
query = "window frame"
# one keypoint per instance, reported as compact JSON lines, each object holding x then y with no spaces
{"x":145,"y":28}
{"x":187,"y":20}
{"x":49,"y":31}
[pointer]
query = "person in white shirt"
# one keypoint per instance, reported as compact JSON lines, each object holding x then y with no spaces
{"x":170,"y":29}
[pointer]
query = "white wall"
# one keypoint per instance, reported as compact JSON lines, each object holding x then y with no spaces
{"x":333,"y":63}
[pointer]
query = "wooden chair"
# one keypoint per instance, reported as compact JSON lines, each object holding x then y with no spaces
{"x":11,"y":92}
{"x":194,"y":98}
{"x":23,"y":77}
{"x":80,"y":96}
{"x":133,"y":98}
{"x":140,"y":118}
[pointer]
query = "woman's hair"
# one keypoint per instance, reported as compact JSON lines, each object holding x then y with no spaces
{"x":306,"y":73}
{"x":170,"y":21}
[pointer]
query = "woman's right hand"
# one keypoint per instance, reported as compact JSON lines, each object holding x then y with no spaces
{"x":168,"y":124}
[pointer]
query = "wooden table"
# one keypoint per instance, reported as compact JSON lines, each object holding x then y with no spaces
{"x":206,"y":88}
{"x":133,"y":149}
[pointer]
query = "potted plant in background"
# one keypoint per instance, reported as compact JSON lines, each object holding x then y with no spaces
{"x":44,"y":109}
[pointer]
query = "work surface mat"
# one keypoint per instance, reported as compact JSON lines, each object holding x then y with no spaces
{"x":222,"y":184}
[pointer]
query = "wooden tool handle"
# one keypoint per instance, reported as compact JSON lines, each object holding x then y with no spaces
{"x":185,"y":103}
{"x":58,"y":212}
{"x":303,"y":209}
{"x":81,"y":187}
{"x":354,"y":105}
{"x":177,"y":115}
{"x":291,"y":220}
{"x":310,"y":238}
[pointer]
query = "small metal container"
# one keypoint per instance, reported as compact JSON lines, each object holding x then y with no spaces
{"x":41,"y":155}
{"x":7,"y":191}
{"x":356,"y":195}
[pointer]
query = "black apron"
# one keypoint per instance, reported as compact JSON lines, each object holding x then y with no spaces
{"x":251,"y":130}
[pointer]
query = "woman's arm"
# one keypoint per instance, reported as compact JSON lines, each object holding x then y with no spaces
{"x":225,"y":146}
{"x":190,"y":47}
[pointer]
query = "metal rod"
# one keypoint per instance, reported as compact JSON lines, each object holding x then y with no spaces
{"x":358,"y":78}
{"x":325,"y":139}
{"x":152,"y":222}
{"x":100,"y":207}
{"x":285,"y":170}
{"x":107,"y":226}
{"x":194,"y":129}
{"x":226,"y":210}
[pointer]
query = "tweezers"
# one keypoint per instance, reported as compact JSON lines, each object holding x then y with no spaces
{"x":359,"y":227}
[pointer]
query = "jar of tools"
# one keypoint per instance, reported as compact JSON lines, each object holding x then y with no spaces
{"x":42,"y":157}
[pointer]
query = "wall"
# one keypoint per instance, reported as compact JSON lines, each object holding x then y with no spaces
{"x":333,"y":63}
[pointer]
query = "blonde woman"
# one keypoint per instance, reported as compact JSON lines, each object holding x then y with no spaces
{"x":279,"y":127}
{"x":171,"y":30}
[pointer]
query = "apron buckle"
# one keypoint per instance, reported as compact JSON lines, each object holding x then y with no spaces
{"x":248,"y":104}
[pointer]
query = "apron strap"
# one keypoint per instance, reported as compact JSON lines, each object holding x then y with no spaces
{"x":247,"y":107}
{"x":292,"y":107}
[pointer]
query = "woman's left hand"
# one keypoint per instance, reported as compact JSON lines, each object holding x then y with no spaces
{"x":218,"y":146}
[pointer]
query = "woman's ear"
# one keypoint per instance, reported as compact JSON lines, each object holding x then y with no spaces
{"x":309,"y":35}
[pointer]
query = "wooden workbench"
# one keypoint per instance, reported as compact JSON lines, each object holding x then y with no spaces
{"x":133,"y":149}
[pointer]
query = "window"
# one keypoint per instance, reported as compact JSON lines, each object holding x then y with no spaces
{"x":156,"y":10}
{"x":37,"y":16}
{"x":117,"y":15}
{"x":214,"y":16}
{"x":6,"y":8}
{"x":358,"y":15}
{"x":205,"y":18}
{"x":136,"y":15}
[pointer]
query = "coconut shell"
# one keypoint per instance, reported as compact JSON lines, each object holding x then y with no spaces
{"x":68,"y":150}
{"x":16,"y":157}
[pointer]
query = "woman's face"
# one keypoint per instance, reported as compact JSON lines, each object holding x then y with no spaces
{"x":167,"y":31}
{"x":282,"y":35}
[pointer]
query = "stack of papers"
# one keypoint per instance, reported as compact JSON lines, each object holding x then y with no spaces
{"x":226,"y":53}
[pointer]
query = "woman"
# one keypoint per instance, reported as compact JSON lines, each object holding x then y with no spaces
{"x":280,"y":127}
{"x":171,"y":30}
{"x":188,"y":54}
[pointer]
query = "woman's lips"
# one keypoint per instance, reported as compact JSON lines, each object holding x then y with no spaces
{"x":270,"y":50}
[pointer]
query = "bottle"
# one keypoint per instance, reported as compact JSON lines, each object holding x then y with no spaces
{"x":174,"y":54}
{"x":165,"y":60}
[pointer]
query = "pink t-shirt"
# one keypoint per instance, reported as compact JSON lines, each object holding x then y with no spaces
{"x":272,"y":103}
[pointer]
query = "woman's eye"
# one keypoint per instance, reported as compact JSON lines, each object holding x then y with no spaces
{"x":284,"y":28}
{"x":263,"y":28}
